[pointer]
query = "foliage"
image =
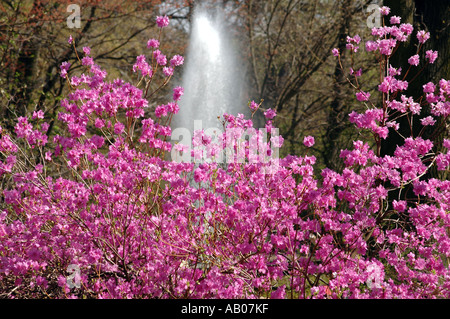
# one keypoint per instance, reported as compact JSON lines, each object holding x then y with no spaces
{"x":140,"y":226}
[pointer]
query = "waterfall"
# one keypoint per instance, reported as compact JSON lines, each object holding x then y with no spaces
{"x":212,"y":79}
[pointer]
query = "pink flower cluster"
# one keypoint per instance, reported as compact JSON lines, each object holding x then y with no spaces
{"x":138,"y":225}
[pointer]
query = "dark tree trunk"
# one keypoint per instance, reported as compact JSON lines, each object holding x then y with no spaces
{"x":336,"y":114}
{"x":432,"y":16}
{"x":24,"y":71}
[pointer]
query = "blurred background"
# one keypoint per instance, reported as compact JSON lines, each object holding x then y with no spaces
{"x":284,"y":49}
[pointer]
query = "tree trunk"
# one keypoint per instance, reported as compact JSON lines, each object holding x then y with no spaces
{"x":24,"y":71}
{"x":337,"y":108}
{"x":432,"y":16}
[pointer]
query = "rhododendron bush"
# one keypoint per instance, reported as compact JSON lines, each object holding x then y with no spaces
{"x":103,"y":197}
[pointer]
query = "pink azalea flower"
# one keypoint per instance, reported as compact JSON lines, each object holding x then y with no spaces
{"x":177,"y":93}
{"x":428,"y":121}
{"x":253,"y":106}
{"x":363,"y":96}
{"x":87,"y":50}
{"x":414,"y":60}
{"x":162,"y":21}
{"x":423,"y":36}
{"x":385,"y":10}
{"x":308,"y":141}
{"x":168,"y":71}
{"x":431,"y":56}
{"x":270,"y":114}
{"x":395,"y":20}
{"x":64,"y":68}
{"x":177,"y":60}
{"x":153,"y":43}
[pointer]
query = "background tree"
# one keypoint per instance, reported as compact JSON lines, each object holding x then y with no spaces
{"x":433,"y":17}
{"x":34,"y":44}
{"x":292,"y":69}
{"x":285,"y":44}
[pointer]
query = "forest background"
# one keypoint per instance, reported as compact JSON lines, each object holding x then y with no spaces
{"x":285,"y":47}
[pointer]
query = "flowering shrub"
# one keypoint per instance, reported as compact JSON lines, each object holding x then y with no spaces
{"x":137,"y":225}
